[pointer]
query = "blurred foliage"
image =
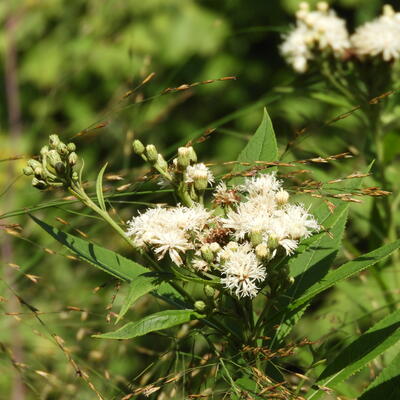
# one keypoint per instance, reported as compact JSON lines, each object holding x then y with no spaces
{"x":75,"y":61}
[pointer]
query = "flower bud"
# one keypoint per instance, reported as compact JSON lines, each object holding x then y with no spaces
{"x":151,"y":153}
{"x":54,"y":141}
{"x":273,"y":242}
{"x":322,"y":6}
{"x":71,"y":147}
{"x":34,"y":164}
{"x":262,"y":251}
{"x":53,"y":157}
{"x":209,"y":291}
{"x":256,"y":237}
{"x":27,"y":171}
{"x":215,"y":247}
{"x":282,"y":197}
{"x":60,"y":168}
{"x":38,"y":171}
{"x":199,"y":305}
{"x":388,"y":10}
{"x":62,"y":148}
{"x":138,"y":147}
{"x":161,"y":163}
{"x":232,"y":246}
{"x":200,"y":180}
{"x":192,"y":154}
{"x":72,"y":158}
{"x":44,"y":150}
{"x":39,"y":184}
{"x":207,"y":253}
{"x":75,"y":176}
{"x":183,"y":157}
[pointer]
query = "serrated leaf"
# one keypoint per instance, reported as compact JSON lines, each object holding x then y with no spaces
{"x":261,"y":147}
{"x":99,"y":188}
{"x":151,"y":323}
{"x":140,"y":286}
{"x":355,"y":356}
{"x":386,"y":385}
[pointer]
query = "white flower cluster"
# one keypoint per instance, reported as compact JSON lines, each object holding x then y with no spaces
{"x":379,"y":37}
{"x":323,"y":31}
{"x":319,"y":30}
{"x":237,"y":246}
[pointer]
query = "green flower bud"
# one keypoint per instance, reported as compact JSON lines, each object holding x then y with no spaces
{"x":54,"y":141}
{"x":39,"y":184}
{"x":200,"y":180}
{"x":161,"y":163}
{"x":44,"y":150}
{"x":207,"y":253}
{"x":151,"y":153}
{"x":53,"y":158}
{"x":138,"y":147}
{"x":256,"y":237}
{"x":215,"y":247}
{"x":34,"y":164}
{"x":192,"y":155}
{"x":72,"y":158}
{"x":38,"y":171}
{"x":60,"y":168}
{"x":183,"y":157}
{"x":71,"y":147}
{"x":75,"y":176}
{"x":262,"y":251}
{"x":199,"y":305}
{"x":62,"y":148}
{"x":27,"y":171}
{"x":209,"y":291}
{"x":273,"y":242}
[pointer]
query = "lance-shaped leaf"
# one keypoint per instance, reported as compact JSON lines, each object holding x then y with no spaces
{"x":261,"y":147}
{"x":386,"y":385}
{"x":106,"y":260}
{"x":152,"y":323}
{"x":355,"y":356}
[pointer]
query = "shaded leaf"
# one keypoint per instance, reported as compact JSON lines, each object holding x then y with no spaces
{"x":151,"y":323}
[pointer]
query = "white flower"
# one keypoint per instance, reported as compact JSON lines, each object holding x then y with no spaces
{"x":379,"y":37}
{"x":298,"y":222}
{"x":242,"y":270}
{"x":223,"y":195}
{"x":168,"y":229}
{"x":199,"y":264}
{"x":263,"y":185}
{"x":315,"y":30}
{"x":198,"y":171}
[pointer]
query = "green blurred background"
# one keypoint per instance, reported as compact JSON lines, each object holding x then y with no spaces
{"x":65,"y":67}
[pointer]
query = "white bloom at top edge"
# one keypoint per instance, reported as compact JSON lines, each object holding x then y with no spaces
{"x":198,"y":171}
{"x":241,"y":271}
{"x":379,"y":37}
{"x":321,"y":29}
{"x":263,"y":185}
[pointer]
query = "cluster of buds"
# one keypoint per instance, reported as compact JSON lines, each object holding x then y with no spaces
{"x":55,"y":165}
{"x":189,"y":178}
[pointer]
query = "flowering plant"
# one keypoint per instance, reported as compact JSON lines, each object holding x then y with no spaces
{"x":236,"y":263}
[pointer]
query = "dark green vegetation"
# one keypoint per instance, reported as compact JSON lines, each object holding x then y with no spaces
{"x":75,"y":63}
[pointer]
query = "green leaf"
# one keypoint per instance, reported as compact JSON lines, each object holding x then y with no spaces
{"x":386,"y":385}
{"x":261,"y":147}
{"x":151,"y":323}
{"x":355,"y":356}
{"x":140,"y":286}
{"x":99,"y":188}
{"x":107,"y":260}
{"x":293,"y":302}
{"x":104,"y":259}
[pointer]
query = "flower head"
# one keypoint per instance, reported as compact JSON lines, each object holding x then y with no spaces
{"x":379,"y":37}
{"x":241,"y":271}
